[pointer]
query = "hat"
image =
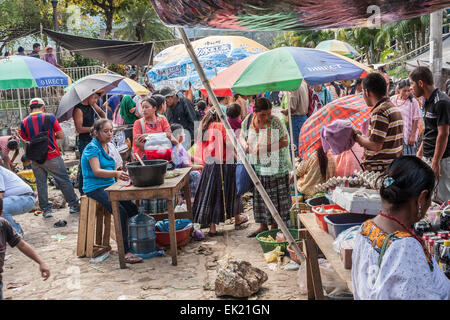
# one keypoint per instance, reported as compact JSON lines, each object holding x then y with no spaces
{"x":159,"y":99}
{"x":47,"y":47}
{"x":36,"y":103}
{"x":167,"y":92}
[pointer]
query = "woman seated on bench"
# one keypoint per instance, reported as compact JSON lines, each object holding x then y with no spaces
{"x":99,"y":164}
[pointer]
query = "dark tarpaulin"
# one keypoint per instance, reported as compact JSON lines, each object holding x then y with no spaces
{"x":111,"y":51}
{"x":254,"y":15}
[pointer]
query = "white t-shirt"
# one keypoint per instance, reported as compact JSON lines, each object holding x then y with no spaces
{"x":11,"y":184}
{"x":404,"y":273}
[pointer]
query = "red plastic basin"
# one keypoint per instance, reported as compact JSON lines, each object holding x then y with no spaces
{"x":183,"y":237}
{"x":321,"y":216}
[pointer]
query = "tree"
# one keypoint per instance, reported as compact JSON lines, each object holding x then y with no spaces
{"x":109,"y":9}
{"x":143,"y":24}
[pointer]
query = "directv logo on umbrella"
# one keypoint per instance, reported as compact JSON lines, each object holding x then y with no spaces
{"x":52,"y":82}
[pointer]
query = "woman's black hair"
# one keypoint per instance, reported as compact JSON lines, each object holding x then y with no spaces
{"x":233,"y":110}
{"x":210,"y":117}
{"x":262,"y":104}
{"x":200,"y":104}
{"x":152,"y":102}
{"x":12,"y":144}
{"x":159,"y":101}
{"x":404,"y":83}
{"x":323,"y":162}
{"x":98,"y":125}
{"x":405,"y":179}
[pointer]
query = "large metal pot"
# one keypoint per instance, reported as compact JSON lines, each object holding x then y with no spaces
{"x":152,"y":174}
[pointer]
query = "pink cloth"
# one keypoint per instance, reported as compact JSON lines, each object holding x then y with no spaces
{"x":337,"y":137}
{"x":235,"y":123}
{"x":4,"y":145}
{"x":410,"y":112}
{"x":346,"y":163}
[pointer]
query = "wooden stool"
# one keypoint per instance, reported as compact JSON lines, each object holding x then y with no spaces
{"x":94,"y":225}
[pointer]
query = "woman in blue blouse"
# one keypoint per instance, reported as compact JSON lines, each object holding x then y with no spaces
{"x":99,"y":172}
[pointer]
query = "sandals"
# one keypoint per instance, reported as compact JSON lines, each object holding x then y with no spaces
{"x":254,"y":233}
{"x":245,"y":220}
{"x":133,"y":259}
{"x":214,"y":234}
{"x":60,"y":224}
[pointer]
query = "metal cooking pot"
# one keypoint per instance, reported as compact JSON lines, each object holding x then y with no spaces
{"x":152,"y":174}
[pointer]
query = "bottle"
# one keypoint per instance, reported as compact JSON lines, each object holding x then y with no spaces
{"x":445,"y":219}
{"x":438,"y":245}
{"x":444,"y":260}
{"x":421,"y":227}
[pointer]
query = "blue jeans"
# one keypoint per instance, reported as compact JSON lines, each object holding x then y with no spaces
{"x":58,"y":171}
{"x":15,"y":205}
{"x":297,"y":123}
{"x":81,"y":146}
{"x":1,"y":290}
{"x":127,"y":210}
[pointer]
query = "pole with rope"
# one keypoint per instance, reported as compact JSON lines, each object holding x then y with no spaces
{"x":237,"y":146}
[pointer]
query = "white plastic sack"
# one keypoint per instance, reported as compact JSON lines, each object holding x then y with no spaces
{"x":332,"y":284}
{"x":345,"y":235}
{"x":69,"y":141}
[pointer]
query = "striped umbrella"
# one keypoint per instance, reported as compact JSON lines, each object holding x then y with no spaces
{"x":129,"y":87}
{"x":352,"y":108}
{"x":23,"y":72}
{"x":283,"y":69}
{"x":339,"y":47}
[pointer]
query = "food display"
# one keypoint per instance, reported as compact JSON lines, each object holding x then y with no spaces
{"x":366,"y":179}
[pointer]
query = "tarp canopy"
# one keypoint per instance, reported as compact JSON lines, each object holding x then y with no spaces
{"x":111,"y":51}
{"x":282,"y":15}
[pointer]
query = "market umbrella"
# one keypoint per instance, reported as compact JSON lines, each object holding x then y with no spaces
{"x":216,"y":53}
{"x":82,"y":89}
{"x":352,"y":108}
{"x":339,"y":47}
{"x":222,"y":83}
{"x":23,"y":72}
{"x":129,"y":87}
{"x":283,"y":69}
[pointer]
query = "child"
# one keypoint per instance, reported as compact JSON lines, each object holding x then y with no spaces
{"x":182,"y":159}
{"x":10,"y":236}
{"x":234,"y":117}
{"x":26,"y":163}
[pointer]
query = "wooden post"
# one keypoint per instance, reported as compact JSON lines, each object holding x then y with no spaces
{"x":172,"y":231}
{"x":237,"y":146}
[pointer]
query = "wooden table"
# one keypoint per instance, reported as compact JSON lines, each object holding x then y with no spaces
{"x":314,"y":235}
{"x":121,"y":192}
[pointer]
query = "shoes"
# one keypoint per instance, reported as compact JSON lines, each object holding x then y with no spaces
{"x":74,"y":209}
{"x":47,"y":213}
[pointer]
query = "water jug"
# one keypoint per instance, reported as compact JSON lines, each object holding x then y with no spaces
{"x":141,"y":233}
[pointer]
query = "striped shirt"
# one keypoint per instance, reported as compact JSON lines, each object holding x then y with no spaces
{"x":386,"y":126}
{"x":33,"y":124}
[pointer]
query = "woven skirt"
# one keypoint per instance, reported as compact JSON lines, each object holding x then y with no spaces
{"x":278,"y":189}
{"x":208,"y":202}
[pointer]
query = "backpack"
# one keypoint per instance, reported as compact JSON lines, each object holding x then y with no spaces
{"x":37,"y":149}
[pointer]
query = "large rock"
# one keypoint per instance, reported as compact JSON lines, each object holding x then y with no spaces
{"x":238,"y":279}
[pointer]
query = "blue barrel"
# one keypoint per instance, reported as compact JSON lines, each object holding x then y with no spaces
{"x":141,"y":233}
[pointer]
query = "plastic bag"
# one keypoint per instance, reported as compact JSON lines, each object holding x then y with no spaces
{"x":158,"y":146}
{"x":272,"y":256}
{"x":332,"y":284}
{"x":345,"y":235}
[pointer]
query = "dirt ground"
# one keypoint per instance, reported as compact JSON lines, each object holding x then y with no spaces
{"x":74,"y":278}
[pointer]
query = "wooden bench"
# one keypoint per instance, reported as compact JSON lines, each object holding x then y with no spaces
{"x":94,"y":229}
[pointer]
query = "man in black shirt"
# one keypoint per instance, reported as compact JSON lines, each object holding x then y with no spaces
{"x":435,"y":146}
{"x":180,"y":110}
{"x":35,"y":52}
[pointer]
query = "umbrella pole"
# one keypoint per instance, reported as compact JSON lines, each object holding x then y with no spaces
{"x":293,"y":156}
{"x":357,"y":159}
{"x":237,"y":146}
{"x":20,"y":104}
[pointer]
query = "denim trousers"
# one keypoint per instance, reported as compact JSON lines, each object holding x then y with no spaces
{"x":297,"y":123}
{"x":127,"y":210}
{"x":443,"y":187}
{"x":1,"y":290}
{"x":58,"y":171}
{"x":15,"y":205}
{"x":81,"y":146}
